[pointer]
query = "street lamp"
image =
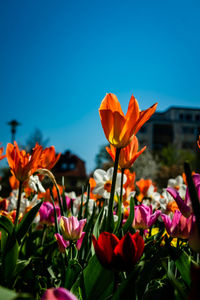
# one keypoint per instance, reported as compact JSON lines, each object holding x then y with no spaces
{"x":13,"y":125}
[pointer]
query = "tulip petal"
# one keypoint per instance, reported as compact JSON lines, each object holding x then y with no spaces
{"x":140,"y":245}
{"x":104,"y":248}
{"x":110,"y":102}
{"x":125,"y":253}
{"x":144,"y":117}
{"x":184,"y":208}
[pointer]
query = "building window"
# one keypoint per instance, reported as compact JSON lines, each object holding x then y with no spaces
{"x":188,"y":117}
{"x":197,"y":117}
{"x":162,"y":135}
{"x":188,"y":145}
{"x":180,"y":116}
{"x":64,"y":167}
{"x":72,"y":166}
{"x":143,"y":130}
{"x":188,"y":130}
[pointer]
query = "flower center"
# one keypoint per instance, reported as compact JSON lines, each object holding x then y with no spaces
{"x":172,"y":206}
{"x":107,"y":186}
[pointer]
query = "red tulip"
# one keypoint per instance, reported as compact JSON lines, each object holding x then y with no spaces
{"x":122,"y":254}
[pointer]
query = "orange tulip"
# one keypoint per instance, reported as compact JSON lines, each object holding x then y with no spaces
{"x":198,"y":142}
{"x":48,"y":157}
{"x":129,"y":185}
{"x":14,"y":183}
{"x":119,"y":129}
{"x":22,"y":164}
{"x":47,"y":194}
{"x":143,"y":185}
{"x":1,"y":151}
{"x":128,"y":154}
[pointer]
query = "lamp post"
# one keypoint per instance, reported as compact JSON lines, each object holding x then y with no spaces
{"x":13,"y":125}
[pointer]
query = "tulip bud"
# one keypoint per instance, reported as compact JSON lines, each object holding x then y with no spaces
{"x":72,"y":228}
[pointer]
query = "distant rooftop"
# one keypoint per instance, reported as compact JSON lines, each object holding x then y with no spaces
{"x":177,"y":114}
{"x":182,"y":108}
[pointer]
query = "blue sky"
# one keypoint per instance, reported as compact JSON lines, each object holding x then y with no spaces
{"x":58,"y":59}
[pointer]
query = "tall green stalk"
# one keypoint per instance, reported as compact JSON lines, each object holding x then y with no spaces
{"x":18,"y":203}
{"x":121,"y":188}
{"x":110,"y":220}
{"x":60,"y":201}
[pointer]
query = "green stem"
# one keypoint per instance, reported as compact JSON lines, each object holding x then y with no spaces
{"x":44,"y":234}
{"x":18,"y":203}
{"x":121,"y":188}
{"x":59,"y":201}
{"x":55,"y":215}
{"x":110,"y":221}
{"x":73,"y":251}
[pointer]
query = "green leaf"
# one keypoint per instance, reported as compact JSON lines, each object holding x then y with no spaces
{"x":98,"y":282}
{"x":26,"y":222}
{"x":72,"y":272}
{"x":10,"y":258}
{"x":96,"y":229}
{"x":64,"y":201}
{"x":97,"y":225}
{"x":180,"y":288}
{"x":87,"y":201}
{"x":126,"y":290}
{"x":54,"y":212}
{"x":119,"y":215}
{"x":21,"y":264}
{"x":81,"y":207}
{"x":147,"y":273}
{"x":77,"y":288}
{"x":7,"y":294}
{"x":183,"y":264}
{"x":129,"y":221}
{"x":4,"y":236}
{"x":6,"y":224}
{"x":85,"y":247}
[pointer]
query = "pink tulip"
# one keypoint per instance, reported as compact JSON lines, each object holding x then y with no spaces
{"x":69,"y":201}
{"x":194,"y":238}
{"x":62,"y":244}
{"x":79,"y":242}
{"x":144,"y":218}
{"x":58,"y":294}
{"x":179,"y":226}
{"x":185,"y":206}
{"x":46,"y":212}
{"x":71,"y":228}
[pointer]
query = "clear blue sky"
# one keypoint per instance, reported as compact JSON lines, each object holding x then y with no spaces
{"x":58,"y":59}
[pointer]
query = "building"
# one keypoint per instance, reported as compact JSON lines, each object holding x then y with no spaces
{"x":177,"y":125}
{"x":72,"y":168}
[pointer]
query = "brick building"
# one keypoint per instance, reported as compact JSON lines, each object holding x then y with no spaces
{"x":72,"y":168}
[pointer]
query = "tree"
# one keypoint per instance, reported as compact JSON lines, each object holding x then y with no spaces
{"x":35,"y":137}
{"x":145,"y":166}
{"x":102,"y":158}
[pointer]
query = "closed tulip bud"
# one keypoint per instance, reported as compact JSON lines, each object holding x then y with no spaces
{"x":117,"y":254}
